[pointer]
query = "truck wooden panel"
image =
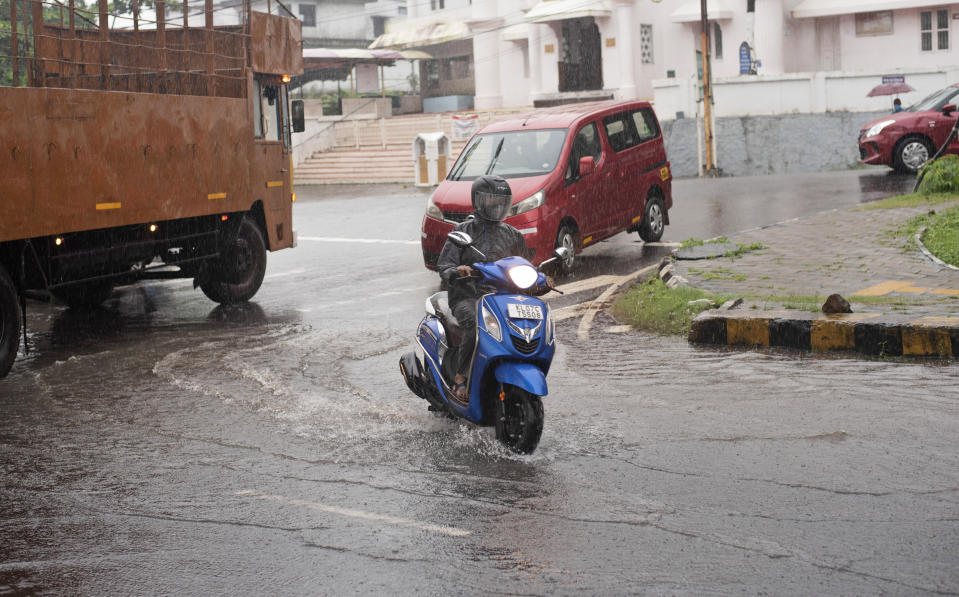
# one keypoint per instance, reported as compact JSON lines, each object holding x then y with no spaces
{"x":74,"y":160}
{"x":276,"y":44}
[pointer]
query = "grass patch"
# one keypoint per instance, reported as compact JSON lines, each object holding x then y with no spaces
{"x":911,"y":200}
{"x":719,"y":273}
{"x":743,"y":249}
{"x":698,"y":242}
{"x":942,"y":236}
{"x":654,"y":307}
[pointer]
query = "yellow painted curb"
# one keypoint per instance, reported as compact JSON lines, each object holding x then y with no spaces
{"x":750,"y":332}
{"x":832,"y":334}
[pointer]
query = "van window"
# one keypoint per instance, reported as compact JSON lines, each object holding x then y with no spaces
{"x":645,"y":124}
{"x":514,"y":154}
{"x":620,"y":131}
{"x":586,"y":143}
{"x":628,"y":129}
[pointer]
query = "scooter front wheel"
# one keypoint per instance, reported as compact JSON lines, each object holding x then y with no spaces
{"x":520,"y":423}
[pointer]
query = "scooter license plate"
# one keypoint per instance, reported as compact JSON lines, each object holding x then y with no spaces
{"x":517,"y":311}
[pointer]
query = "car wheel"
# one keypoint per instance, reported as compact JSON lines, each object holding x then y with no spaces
{"x":911,"y":154}
{"x":566,"y":238}
{"x":654,"y":221}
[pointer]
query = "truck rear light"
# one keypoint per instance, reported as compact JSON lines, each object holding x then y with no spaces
{"x":224,"y":218}
{"x":58,"y":241}
{"x":293,"y":197}
{"x":153,"y":227}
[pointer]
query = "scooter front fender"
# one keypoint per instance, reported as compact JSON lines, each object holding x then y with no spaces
{"x":522,"y":375}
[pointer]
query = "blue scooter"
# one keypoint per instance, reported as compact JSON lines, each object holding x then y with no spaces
{"x":513,"y":351}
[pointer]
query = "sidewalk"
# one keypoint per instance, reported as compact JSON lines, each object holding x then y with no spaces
{"x":912,"y":303}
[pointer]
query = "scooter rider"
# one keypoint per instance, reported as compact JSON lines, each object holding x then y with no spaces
{"x":492,"y":199}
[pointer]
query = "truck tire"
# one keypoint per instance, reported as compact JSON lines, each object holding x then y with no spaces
{"x":237,"y":274}
{"x":84,"y":296}
{"x":9,"y":322}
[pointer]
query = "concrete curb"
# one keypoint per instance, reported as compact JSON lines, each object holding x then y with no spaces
{"x":928,"y":253}
{"x":865,"y":333}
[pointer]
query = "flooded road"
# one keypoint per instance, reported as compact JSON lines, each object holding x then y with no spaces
{"x":166,"y":445}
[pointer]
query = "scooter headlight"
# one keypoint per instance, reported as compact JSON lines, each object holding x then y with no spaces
{"x":491,"y":324}
{"x":523,"y":276}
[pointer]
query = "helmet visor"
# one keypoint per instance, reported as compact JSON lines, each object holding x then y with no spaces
{"x":492,"y":207}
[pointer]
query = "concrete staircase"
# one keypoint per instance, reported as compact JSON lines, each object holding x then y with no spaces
{"x":378,"y":150}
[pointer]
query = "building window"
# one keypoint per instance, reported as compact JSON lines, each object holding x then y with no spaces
{"x":717,"y":41}
{"x":750,"y":5}
{"x":940,"y":28}
{"x":437,"y":4}
{"x":646,"y":43}
{"x":308,"y":15}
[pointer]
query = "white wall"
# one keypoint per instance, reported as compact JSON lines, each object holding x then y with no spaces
{"x":796,"y":93}
{"x":902,"y":48}
{"x":514,"y":73}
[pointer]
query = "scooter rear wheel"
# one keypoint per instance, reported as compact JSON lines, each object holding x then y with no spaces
{"x":522,"y":426}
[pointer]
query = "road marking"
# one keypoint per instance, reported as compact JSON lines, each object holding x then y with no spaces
{"x":891,"y":286}
{"x":353,"y":513}
{"x":587,"y":320}
{"x":382,"y":241}
{"x":589,"y":284}
{"x":663,"y":244}
{"x":289,"y":273}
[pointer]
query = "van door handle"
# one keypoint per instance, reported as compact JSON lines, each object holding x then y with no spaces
{"x":283,"y":170}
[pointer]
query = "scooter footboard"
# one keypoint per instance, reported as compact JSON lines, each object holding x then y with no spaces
{"x":522,"y":375}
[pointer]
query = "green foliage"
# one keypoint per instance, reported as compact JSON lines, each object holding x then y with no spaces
{"x":940,"y":176}
{"x":741,"y":249}
{"x":910,"y":200}
{"x":942,"y":236}
{"x":654,"y":307}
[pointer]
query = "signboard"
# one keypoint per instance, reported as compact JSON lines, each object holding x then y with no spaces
{"x":893,"y":79}
{"x":465,"y":125}
{"x":745,"y":59}
{"x":367,"y":79}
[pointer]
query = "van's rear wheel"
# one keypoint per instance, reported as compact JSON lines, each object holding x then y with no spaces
{"x":10,"y":322}
{"x":238,"y":273}
{"x":654,"y":221}
{"x":566,"y":238}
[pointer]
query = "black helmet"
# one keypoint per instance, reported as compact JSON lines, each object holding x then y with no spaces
{"x":492,"y":198}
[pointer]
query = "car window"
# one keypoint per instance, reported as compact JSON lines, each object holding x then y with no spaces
{"x":935,"y":101}
{"x":585,"y":143}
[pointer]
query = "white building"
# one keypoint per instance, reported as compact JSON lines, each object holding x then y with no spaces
{"x":812,"y":55}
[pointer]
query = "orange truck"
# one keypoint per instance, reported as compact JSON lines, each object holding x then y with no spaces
{"x":148,"y":150}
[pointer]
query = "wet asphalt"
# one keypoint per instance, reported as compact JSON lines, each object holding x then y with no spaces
{"x":165,"y":445}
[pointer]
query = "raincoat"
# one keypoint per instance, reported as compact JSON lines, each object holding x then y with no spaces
{"x":496,"y":240}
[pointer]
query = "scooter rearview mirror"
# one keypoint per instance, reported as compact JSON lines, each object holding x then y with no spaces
{"x":460,"y":239}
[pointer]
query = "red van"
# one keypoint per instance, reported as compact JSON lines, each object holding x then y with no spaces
{"x":579,"y":173}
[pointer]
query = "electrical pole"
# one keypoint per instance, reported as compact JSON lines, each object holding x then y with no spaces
{"x":707,"y":91}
